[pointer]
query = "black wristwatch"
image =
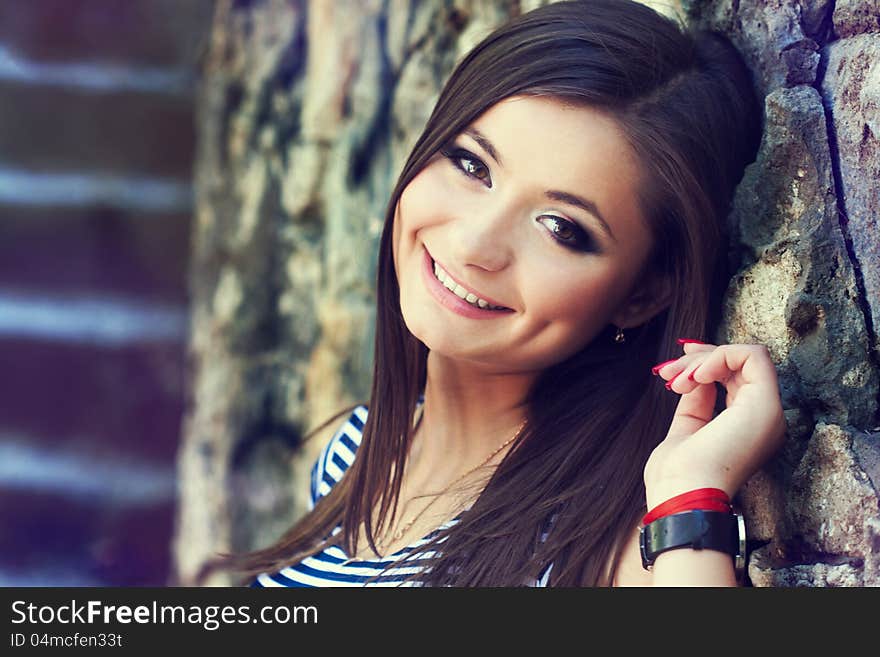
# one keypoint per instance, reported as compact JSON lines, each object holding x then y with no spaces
{"x":701,"y":530}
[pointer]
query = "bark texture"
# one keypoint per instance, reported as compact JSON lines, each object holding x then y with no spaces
{"x":307,"y":112}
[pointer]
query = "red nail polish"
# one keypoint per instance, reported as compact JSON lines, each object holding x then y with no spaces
{"x":669,"y":383}
{"x":659,"y":366}
{"x":691,"y":376}
{"x":686,"y":340}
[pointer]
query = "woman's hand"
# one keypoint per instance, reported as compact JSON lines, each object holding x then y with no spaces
{"x":700,"y":451}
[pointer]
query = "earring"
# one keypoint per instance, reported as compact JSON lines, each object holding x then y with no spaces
{"x":619,"y":337}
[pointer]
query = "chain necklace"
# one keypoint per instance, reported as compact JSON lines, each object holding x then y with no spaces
{"x":400,"y":532}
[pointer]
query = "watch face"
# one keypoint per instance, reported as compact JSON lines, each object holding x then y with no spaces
{"x":646,"y":563}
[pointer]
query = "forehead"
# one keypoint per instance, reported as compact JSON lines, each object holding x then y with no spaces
{"x":547,"y":144}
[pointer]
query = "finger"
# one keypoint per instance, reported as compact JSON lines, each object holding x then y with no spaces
{"x":676,"y":372}
{"x":694,"y":410}
{"x":696,"y":347}
{"x":683,"y":382}
{"x":752,"y":361}
{"x":673,"y":366}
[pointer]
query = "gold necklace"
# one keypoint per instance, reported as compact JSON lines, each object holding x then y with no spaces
{"x":400,"y":532}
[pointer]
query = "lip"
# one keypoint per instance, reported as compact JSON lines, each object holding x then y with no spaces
{"x":453,"y":302}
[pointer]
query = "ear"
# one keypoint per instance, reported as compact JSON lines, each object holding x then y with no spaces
{"x":649,"y":296}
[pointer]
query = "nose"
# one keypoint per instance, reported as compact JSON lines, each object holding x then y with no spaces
{"x":484,"y":236}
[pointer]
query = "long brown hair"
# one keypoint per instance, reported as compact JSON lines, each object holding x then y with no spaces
{"x":686,"y":103}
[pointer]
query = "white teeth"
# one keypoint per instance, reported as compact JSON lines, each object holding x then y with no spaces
{"x":459,"y":291}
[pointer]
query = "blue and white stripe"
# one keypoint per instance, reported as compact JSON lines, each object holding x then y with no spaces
{"x":330,"y":567}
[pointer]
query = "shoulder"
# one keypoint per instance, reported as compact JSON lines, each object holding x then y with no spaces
{"x":338,"y":454}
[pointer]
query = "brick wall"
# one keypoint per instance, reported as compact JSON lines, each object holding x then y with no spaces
{"x":96,"y":150}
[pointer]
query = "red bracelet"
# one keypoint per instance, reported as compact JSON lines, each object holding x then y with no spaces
{"x":707,"y":499}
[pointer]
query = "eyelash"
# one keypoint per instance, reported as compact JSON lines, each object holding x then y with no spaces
{"x":582,"y":240}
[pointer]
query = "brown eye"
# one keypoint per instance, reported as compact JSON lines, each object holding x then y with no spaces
{"x":469,"y":170}
{"x":560,"y":229}
{"x":567,"y":233}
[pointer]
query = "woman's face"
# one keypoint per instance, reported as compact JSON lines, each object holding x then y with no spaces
{"x":484,"y":217}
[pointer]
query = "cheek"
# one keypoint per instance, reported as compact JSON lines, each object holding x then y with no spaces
{"x":408,"y":217}
{"x":566,"y":308}
{"x":577,"y":301}
{"x":425,"y":200}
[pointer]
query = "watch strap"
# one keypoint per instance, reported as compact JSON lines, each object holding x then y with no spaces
{"x":697,"y":529}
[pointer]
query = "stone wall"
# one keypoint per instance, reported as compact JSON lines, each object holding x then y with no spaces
{"x":307,"y":112}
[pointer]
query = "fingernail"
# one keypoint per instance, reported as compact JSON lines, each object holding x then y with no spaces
{"x":660,"y":366}
{"x":686,"y":340}
{"x":691,"y":376}
{"x":669,"y":383}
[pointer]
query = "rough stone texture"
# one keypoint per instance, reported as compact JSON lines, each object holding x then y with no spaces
{"x":308,"y":110}
{"x":247,"y":363}
{"x":805,"y":251}
{"x":855,"y":17}
{"x":762,"y":572}
{"x":770,"y":34}
{"x":795,"y":290}
{"x":831,"y":499}
{"x":851,"y":94}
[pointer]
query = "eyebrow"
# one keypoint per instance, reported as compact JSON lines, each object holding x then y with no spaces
{"x":552,"y":194}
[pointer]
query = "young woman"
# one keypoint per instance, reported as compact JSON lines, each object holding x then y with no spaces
{"x":553,"y":252}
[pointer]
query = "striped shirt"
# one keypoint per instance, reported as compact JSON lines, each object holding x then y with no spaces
{"x":331,"y":566}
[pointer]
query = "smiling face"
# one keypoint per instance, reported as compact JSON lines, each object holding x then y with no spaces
{"x":563,"y":267}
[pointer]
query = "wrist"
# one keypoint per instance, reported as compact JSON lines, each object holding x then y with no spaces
{"x":695,"y":568}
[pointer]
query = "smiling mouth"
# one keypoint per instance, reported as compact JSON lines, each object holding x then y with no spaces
{"x":461,"y":292}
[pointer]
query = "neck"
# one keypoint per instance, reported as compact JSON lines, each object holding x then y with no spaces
{"x":467,"y":414}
